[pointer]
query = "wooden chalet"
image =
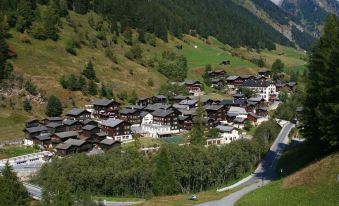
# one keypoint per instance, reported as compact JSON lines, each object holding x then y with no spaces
{"x":185,"y":122}
{"x":234,"y":81}
{"x":144,"y":101}
{"x":252,"y":117}
{"x":130,"y":115}
{"x":72,"y":125}
{"x":165,"y":117}
{"x":217,"y":83}
{"x":54,"y":127}
{"x":225,"y":62}
{"x":117,"y":129}
{"x":262,"y":111}
{"x":32,"y":123}
{"x":78,"y":114}
{"x":52,"y":119}
{"x":89,"y":130}
{"x":216,"y":112}
{"x":35,"y":131}
{"x":108,"y":144}
{"x":265,"y":73}
{"x":89,"y":122}
{"x":43,"y":140}
{"x":179,"y":98}
{"x":159,"y":99}
{"x":104,"y":109}
{"x":194,"y":87}
{"x":217,"y":74}
{"x":72,"y":146}
{"x":61,"y":137}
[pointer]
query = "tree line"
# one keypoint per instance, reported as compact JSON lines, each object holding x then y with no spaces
{"x":175,"y":169}
{"x":224,"y":19}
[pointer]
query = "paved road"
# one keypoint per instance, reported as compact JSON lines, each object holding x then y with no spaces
{"x":264,"y":173}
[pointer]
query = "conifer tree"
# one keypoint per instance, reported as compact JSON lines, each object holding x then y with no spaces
{"x":92,"y":88}
{"x":133,"y":98}
{"x":321,"y":107}
{"x":199,"y":125}
{"x":54,"y":107}
{"x":81,"y":6}
{"x":27,"y":105}
{"x":89,"y":71}
{"x":12,"y":192}
{"x":163,"y":180}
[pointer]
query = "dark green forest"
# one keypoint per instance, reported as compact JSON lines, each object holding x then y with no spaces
{"x":175,"y":169}
{"x":223,"y":19}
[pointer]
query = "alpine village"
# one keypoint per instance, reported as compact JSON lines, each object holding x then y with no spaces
{"x":169,"y":102}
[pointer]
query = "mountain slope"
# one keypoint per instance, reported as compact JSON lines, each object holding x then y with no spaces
{"x":315,"y":184}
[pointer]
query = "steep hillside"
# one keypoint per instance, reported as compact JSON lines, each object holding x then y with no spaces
{"x":315,"y":184}
{"x":287,"y":24}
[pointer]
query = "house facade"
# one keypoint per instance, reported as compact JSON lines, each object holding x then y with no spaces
{"x":117,"y":129}
{"x":264,"y":89}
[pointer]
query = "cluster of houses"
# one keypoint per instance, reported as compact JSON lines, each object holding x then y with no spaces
{"x":106,"y":123}
{"x":260,"y":83}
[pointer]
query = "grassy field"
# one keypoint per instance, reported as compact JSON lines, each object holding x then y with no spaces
{"x":11,"y":124}
{"x":184,"y":200}
{"x":14,"y":151}
{"x":309,"y":180}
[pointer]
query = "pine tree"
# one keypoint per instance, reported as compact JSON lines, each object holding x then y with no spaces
{"x":321,"y":106}
{"x":27,"y":105}
{"x":25,"y":15}
{"x":92,"y":88}
{"x":82,"y":84}
{"x":57,"y":192}
{"x":141,"y":37}
{"x":89,"y":71}
{"x":81,"y":6}
{"x":12,"y":192}
{"x":277,"y":67}
{"x":163,"y":180}
{"x":199,"y":125}
{"x":103,"y":91}
{"x":54,"y":107}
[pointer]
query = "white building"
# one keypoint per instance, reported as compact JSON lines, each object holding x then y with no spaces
{"x":157,"y":131}
{"x":227,"y":134}
{"x":263,"y":88}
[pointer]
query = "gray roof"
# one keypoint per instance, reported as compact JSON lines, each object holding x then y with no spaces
{"x":188,"y":102}
{"x":109,"y":141}
{"x":128,"y":111}
{"x":239,"y":119}
{"x":143,"y":113}
{"x":89,"y":127}
{"x":214,"y":107}
{"x":257,"y":83}
{"x":101,"y":134}
{"x":254,"y":115}
{"x":255,"y":99}
{"x":188,"y":112}
{"x":236,"y":110}
{"x":111,"y":122}
{"x":233,"y":102}
{"x":153,"y":107}
{"x":75,"y":142}
{"x":291,"y":84}
{"x":182,"y":118}
{"x":69,"y":122}
{"x":160,"y":97}
{"x":42,"y":137}
{"x":161,"y":113}
{"x":231,"y":78}
{"x":136,"y":107}
{"x":87,"y":121}
{"x":54,"y":119}
{"x":103,"y":102}
{"x":188,"y":81}
{"x":31,"y":120}
{"x":76,"y":111}
{"x":63,"y":135}
{"x":223,"y":128}
{"x":53,"y":125}
{"x":63,"y":146}
{"x":36,"y":129}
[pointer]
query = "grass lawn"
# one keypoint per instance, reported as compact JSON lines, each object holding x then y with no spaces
{"x":118,"y":199}
{"x":13,"y":151}
{"x":183,"y":200}
{"x":12,"y":124}
{"x":305,"y":183}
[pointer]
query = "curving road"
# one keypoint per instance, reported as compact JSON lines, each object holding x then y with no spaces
{"x":264,"y":174}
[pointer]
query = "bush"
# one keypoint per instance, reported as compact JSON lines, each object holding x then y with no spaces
{"x":70,"y":47}
{"x":31,"y":88}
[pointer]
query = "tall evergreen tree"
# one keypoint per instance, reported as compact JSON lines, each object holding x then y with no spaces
{"x":25,"y":15}
{"x":81,"y":6}
{"x":199,"y":125}
{"x":92,"y":88}
{"x":27,"y":105}
{"x":89,"y":71}
{"x":163,"y":180}
{"x":12,"y":192}
{"x":321,"y":106}
{"x":57,"y":193}
{"x":54,"y":107}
